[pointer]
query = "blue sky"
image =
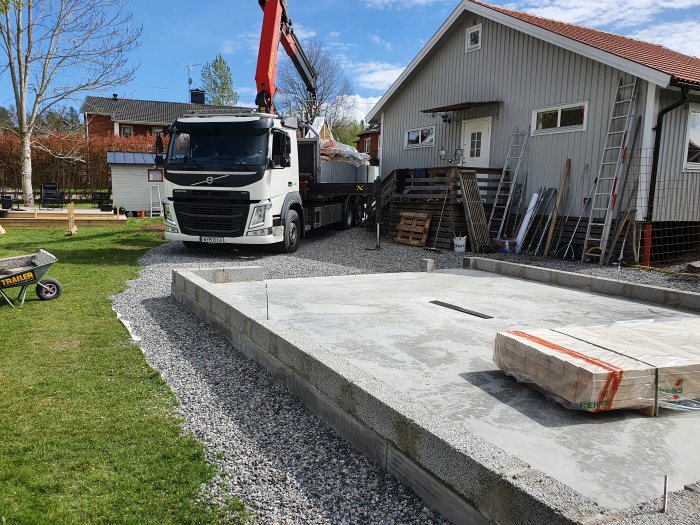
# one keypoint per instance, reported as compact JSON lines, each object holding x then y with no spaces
{"x":374,"y":40}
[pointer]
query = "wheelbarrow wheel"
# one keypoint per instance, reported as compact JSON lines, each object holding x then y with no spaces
{"x":48,"y":289}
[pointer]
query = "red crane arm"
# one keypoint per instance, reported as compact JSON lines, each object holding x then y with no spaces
{"x":278,"y":27}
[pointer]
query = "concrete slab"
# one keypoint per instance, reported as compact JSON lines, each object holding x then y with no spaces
{"x":441,"y":359}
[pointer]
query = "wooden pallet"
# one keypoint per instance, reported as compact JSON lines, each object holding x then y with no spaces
{"x":413,"y":228}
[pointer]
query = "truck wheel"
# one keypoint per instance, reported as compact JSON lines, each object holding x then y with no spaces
{"x":292,"y":232}
{"x":347,"y":217}
{"x":360,"y":213}
{"x":48,"y":289}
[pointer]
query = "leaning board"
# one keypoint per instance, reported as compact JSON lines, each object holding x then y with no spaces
{"x":632,"y":364}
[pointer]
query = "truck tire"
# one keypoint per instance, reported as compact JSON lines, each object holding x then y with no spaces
{"x":292,"y":232}
{"x":347,"y":216}
{"x":359,"y":210}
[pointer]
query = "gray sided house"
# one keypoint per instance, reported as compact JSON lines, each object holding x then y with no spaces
{"x":488,"y":70}
{"x":136,"y":182}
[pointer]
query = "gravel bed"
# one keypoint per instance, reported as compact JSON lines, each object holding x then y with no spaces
{"x":285,"y":464}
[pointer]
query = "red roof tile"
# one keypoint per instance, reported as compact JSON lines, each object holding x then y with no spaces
{"x":681,"y":67}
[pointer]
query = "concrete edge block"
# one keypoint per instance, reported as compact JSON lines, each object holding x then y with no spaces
{"x":633,"y":291}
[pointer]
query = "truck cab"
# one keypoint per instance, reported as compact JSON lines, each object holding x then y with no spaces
{"x":233,"y":179}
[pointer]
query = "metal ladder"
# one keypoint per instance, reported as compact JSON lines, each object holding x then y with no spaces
{"x":509,"y":177}
{"x":611,"y":170}
{"x":156,"y":205}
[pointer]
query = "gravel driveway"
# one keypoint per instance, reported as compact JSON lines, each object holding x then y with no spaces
{"x":283,"y":462}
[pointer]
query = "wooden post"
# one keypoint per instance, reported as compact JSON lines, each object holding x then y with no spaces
{"x":563,"y":186}
{"x":72,"y":228}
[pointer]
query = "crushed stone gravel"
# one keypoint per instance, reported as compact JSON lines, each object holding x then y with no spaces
{"x":286,"y":465}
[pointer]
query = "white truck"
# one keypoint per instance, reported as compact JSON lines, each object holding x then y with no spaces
{"x":255,"y":178}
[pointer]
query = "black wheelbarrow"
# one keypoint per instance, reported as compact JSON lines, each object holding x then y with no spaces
{"x":26,"y":270}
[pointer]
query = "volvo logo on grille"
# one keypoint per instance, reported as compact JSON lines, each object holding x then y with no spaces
{"x":210,"y":180}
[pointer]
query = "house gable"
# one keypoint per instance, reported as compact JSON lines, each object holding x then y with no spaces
{"x":628,"y":55}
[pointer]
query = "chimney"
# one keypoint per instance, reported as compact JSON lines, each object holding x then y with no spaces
{"x":197,"y":96}
{"x":114,"y":96}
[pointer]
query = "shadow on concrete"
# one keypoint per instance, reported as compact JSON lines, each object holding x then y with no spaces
{"x":534,"y":404}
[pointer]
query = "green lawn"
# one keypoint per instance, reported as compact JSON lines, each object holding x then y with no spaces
{"x":87,"y":429}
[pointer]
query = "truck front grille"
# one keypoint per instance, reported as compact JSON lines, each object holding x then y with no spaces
{"x":211,"y":219}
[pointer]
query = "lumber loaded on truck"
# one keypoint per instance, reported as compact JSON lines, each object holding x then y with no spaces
{"x":255,"y":177}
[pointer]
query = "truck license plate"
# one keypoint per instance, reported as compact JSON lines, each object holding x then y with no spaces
{"x":212,"y":240}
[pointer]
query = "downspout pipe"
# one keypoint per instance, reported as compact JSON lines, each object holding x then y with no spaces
{"x":646,"y":257}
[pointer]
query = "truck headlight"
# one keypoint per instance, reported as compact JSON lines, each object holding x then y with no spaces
{"x":167,"y":212}
{"x":257,"y":218}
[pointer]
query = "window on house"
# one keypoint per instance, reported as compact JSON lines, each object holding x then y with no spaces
{"x":692,"y":146}
{"x":473,"y":41}
{"x":127,"y":131}
{"x":368,"y":145}
{"x":155,"y":175}
{"x":420,"y":137}
{"x":554,"y":119}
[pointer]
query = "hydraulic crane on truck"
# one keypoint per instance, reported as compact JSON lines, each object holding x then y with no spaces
{"x":276,"y":28}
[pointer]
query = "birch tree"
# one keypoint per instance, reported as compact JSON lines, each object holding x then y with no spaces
{"x":217,"y":82}
{"x":55,"y":49}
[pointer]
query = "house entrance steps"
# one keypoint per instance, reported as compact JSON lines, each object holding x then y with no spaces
{"x":507,"y":183}
{"x":611,"y":170}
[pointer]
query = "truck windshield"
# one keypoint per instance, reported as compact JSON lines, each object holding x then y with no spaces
{"x":210,"y":146}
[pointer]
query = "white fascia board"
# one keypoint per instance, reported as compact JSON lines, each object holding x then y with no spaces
{"x":645,"y":73}
{"x":374,"y":112}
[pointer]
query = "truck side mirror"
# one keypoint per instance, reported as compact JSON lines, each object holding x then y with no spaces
{"x":159,"y":143}
{"x":159,"y":159}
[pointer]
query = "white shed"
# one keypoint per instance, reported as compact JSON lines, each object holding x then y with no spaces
{"x":137,"y":184}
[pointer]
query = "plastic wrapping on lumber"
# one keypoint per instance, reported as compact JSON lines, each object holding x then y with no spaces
{"x":335,"y":151}
{"x":633,"y":364}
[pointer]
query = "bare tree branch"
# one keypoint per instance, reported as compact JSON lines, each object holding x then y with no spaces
{"x":44,"y":40}
{"x":333,"y":86}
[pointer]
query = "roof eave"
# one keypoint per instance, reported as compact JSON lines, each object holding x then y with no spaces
{"x":645,"y":73}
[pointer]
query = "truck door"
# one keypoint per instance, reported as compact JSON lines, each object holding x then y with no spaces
{"x":284,"y":173}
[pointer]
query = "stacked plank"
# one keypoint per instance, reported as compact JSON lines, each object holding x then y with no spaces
{"x":633,"y":364}
{"x":413,"y":229}
{"x":479,"y":236}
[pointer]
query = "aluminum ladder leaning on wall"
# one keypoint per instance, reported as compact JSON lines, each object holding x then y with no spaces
{"x":507,"y":182}
{"x":156,"y":204}
{"x":611,"y":170}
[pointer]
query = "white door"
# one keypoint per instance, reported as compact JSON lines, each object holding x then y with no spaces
{"x":476,"y":141}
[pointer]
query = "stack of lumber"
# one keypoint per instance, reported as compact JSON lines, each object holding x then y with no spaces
{"x":631,"y":364}
{"x":438,"y":194}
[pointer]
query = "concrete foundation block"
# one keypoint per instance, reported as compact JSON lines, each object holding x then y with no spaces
{"x":427,"y":265}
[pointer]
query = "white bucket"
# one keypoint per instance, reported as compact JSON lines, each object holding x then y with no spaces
{"x":460,"y":244}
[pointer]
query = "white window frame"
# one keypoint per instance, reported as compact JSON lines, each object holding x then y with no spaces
{"x":690,"y":166}
{"x":124,"y":128}
{"x":368,"y":144}
{"x":559,"y":107}
{"x":406,"y":145}
{"x":473,"y":29}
